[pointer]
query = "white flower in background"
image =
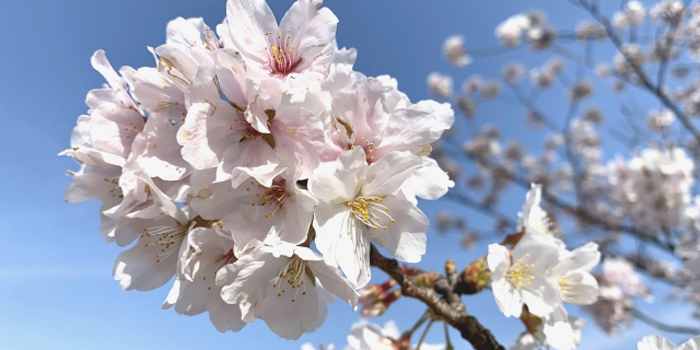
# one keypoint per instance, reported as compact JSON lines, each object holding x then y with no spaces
{"x":511,"y":30}
{"x":657,"y":342}
{"x":653,"y":188}
{"x":612,"y":308}
{"x":440,"y":84}
{"x":660,"y":120}
{"x":620,"y":271}
{"x":635,"y":12}
{"x":522,"y":279}
{"x":358,"y":206}
{"x":285,"y":286}
{"x":454,"y":52}
{"x":668,"y":11}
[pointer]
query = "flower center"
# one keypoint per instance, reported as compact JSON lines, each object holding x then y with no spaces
{"x":567,"y":286}
{"x":273,"y":197}
{"x":370,"y":211}
{"x":369,"y":148}
{"x":281,"y":53}
{"x":292,"y":275}
{"x":167,"y":237}
{"x":519,"y":273}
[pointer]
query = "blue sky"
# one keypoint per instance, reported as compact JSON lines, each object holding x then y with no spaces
{"x":56,"y":289}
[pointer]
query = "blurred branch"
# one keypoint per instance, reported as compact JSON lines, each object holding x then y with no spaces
{"x":641,"y":75}
{"x":662,"y":326}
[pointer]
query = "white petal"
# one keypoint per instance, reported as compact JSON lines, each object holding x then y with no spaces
{"x":404,"y":238}
{"x":289,"y":319}
{"x":498,"y":260}
{"x":241,"y":280}
{"x":655,"y":342}
{"x":333,"y":282}
{"x":387,"y":174}
{"x":339,"y":181}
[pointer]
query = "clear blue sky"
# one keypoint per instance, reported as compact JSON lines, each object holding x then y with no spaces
{"x":56,"y":289}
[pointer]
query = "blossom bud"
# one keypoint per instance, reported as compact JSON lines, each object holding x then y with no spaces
{"x":476,"y":275}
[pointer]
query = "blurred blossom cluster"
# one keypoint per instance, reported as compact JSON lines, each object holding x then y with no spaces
{"x":616,"y":164}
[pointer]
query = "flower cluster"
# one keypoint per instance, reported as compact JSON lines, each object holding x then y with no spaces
{"x":534,"y":279}
{"x":653,"y":188}
{"x":225,"y":163}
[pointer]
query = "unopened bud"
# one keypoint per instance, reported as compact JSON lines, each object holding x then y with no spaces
{"x":476,"y":275}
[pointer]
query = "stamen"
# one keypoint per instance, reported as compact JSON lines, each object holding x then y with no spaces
{"x":292,"y":274}
{"x":519,"y":273}
{"x":361,"y":207}
{"x":167,"y":237}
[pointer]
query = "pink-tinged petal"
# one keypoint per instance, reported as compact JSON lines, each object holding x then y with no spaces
{"x":191,"y":32}
{"x":205,"y":136}
{"x":299,"y":138}
{"x":253,"y":158}
{"x":231,"y":71}
{"x":178,"y":62}
{"x":268,"y":221}
{"x":386,"y":175}
{"x":404,"y":237}
{"x":341,"y":180}
{"x":312,"y":30}
{"x":203,"y":88}
{"x":252,"y":272}
{"x":113,"y":128}
{"x":93,"y":182}
{"x":286,"y":318}
{"x":159,"y":93}
{"x":157,"y":152}
{"x":139,"y":268}
{"x":101,"y":64}
{"x":249,"y":23}
{"x":407,"y":130}
{"x":218,"y":200}
{"x":362,"y":108}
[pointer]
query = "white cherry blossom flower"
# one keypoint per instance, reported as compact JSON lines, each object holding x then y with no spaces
{"x":522,"y":279}
{"x":358,"y":207}
{"x":281,"y":285}
{"x":195,"y":290}
{"x":453,"y":50}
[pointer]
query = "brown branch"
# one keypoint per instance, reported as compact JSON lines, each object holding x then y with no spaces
{"x":452,"y":312}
